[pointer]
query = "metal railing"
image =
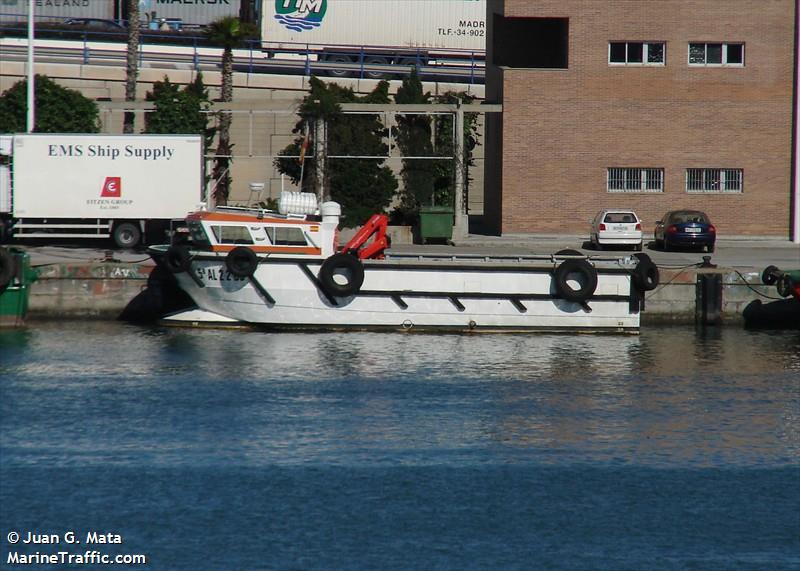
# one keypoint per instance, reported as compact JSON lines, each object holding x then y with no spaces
{"x":168,"y":49}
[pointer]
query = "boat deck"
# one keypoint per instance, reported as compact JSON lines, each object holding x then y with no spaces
{"x":531,"y":259}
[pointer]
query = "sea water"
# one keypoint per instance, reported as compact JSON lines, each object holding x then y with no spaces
{"x":241,"y":450}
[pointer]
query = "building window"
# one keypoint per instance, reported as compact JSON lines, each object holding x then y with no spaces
{"x":714,"y":180}
{"x":636,"y":53}
{"x":530,"y":43}
{"x":635,"y":180}
{"x":716,"y":54}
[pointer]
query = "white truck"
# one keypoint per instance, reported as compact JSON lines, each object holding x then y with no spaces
{"x":129,"y":188}
{"x":375,"y":32}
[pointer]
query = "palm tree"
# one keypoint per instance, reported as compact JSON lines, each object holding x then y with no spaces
{"x":132,"y":63}
{"x":228,"y":33}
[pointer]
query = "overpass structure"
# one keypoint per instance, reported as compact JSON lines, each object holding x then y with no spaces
{"x":252,"y":60}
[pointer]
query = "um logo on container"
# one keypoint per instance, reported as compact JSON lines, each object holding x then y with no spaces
{"x":300,"y":15}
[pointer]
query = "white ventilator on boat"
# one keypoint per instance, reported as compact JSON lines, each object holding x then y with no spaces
{"x":330,"y":211}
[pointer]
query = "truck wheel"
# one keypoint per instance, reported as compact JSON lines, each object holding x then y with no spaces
{"x":408,"y":63}
{"x":340,"y":59}
{"x":127,"y":235}
{"x":374,"y":73}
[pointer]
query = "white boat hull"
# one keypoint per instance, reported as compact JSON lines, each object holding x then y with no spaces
{"x":464,"y":295}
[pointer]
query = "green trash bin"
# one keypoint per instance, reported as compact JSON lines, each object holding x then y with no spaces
{"x":435,"y":222}
{"x":16,"y":277}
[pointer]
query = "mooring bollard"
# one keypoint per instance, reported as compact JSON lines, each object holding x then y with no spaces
{"x":708,"y":292}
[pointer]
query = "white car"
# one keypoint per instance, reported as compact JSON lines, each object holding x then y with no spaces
{"x":616,"y":227}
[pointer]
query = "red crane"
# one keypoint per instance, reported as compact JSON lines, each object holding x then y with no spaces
{"x":374,"y":228}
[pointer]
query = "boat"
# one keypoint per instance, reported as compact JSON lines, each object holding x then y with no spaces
{"x":16,"y":277}
{"x":285,"y":270}
{"x":781,"y":313}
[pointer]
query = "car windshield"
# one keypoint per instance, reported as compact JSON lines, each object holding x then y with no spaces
{"x":620,"y":218}
{"x":682,"y":217}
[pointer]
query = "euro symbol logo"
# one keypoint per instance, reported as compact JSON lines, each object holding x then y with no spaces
{"x":112,"y":187}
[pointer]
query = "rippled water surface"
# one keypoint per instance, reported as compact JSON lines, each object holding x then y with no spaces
{"x":675,"y":449}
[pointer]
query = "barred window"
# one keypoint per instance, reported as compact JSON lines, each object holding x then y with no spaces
{"x":716,"y":54}
{"x":714,"y":180}
{"x":636,"y":53}
{"x":635,"y":179}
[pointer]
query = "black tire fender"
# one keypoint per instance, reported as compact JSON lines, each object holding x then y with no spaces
{"x":587,"y":278}
{"x":178,"y":259}
{"x":784,"y":286}
{"x":6,"y":268}
{"x":645,"y":275}
{"x":346,"y":265}
{"x":568,"y":252}
{"x":770,"y":275}
{"x":241,"y":262}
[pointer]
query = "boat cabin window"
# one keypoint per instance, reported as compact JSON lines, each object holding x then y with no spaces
{"x":198,"y":234}
{"x":286,"y":236}
{"x":232,"y":234}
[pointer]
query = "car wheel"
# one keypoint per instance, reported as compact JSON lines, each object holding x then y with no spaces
{"x":639,"y":247}
{"x":710,"y":248}
{"x":665,"y":245}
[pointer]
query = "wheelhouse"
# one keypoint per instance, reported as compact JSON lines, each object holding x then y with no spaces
{"x":263,"y":231}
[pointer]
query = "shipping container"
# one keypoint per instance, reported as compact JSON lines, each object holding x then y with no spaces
{"x":451,"y":24}
{"x":386,"y":31}
{"x":186,"y":12}
{"x":57,"y":10}
{"x":189,"y":12}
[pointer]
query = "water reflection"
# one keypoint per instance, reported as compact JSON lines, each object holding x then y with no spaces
{"x":113,"y":393}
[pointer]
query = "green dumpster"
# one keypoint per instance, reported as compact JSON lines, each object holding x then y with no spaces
{"x":435,"y":222}
{"x":16,"y":277}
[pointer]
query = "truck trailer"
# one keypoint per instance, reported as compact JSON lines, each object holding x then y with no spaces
{"x":404,"y":32}
{"x":186,"y":12}
{"x":130,"y":188}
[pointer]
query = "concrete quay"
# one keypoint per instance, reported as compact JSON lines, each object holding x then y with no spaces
{"x":89,"y":288}
{"x":89,"y":283}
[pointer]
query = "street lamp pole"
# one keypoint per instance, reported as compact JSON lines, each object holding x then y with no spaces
{"x":31,"y":122}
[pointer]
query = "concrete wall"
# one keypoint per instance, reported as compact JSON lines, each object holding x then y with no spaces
{"x":96,"y":291}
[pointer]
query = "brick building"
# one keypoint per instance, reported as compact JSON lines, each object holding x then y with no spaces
{"x":648,"y":104}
